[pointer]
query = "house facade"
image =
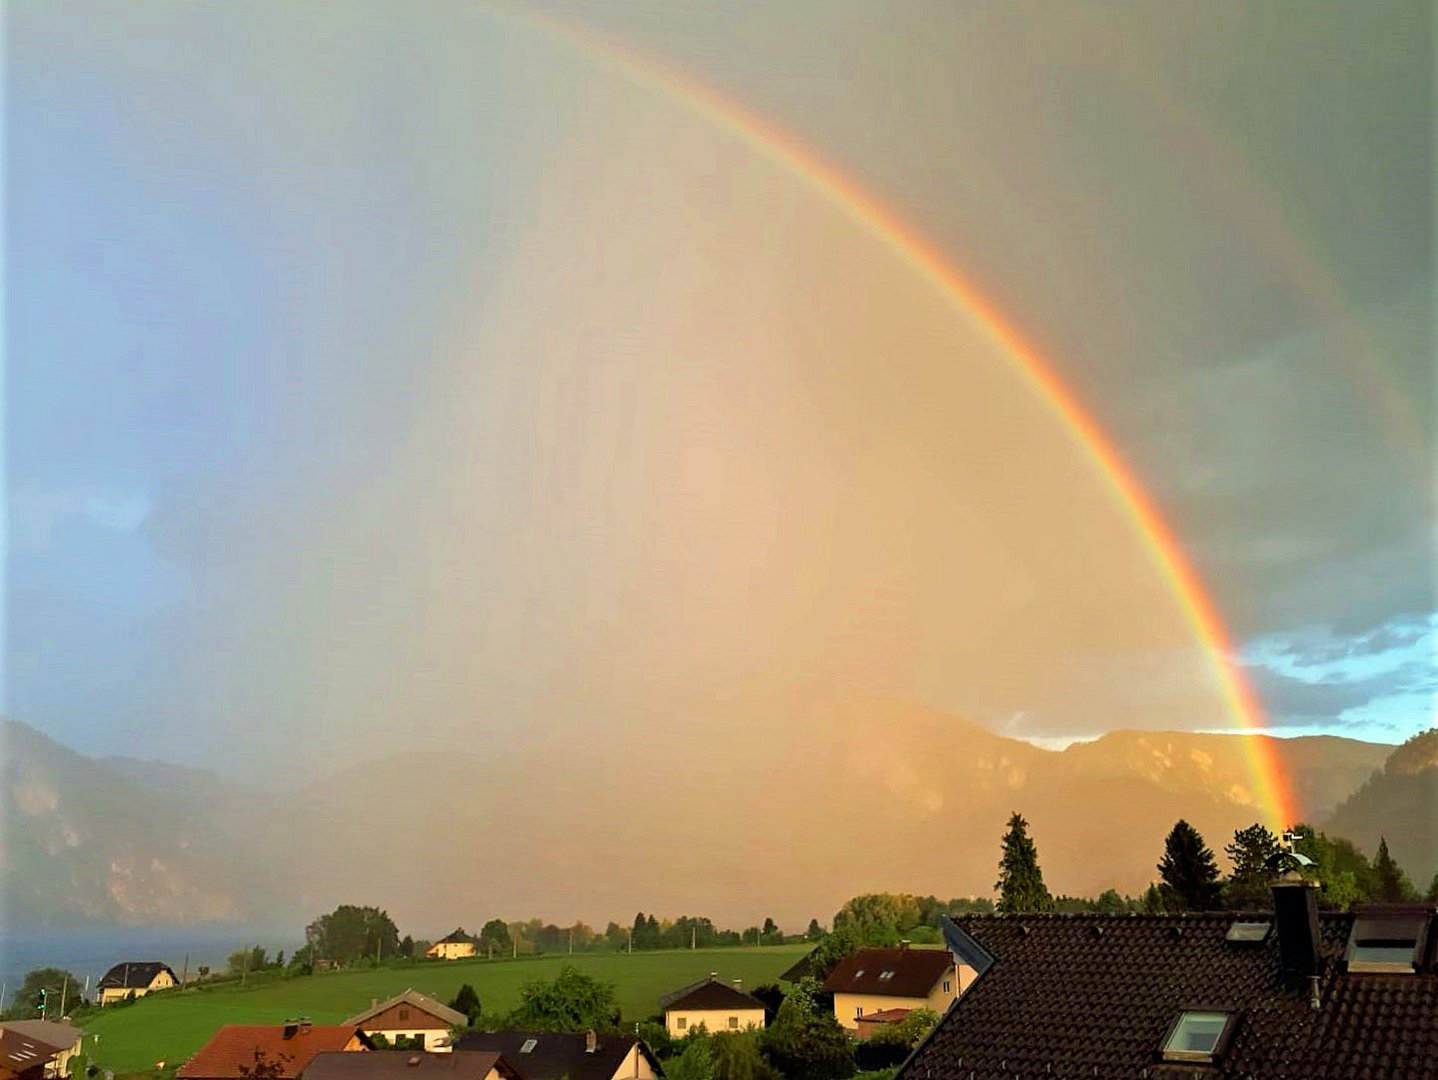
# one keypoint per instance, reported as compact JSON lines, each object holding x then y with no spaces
{"x":138,"y":977}
{"x":411,"y":1016}
{"x":889,"y":981}
{"x":714,"y":1005}
{"x":453,"y":946}
{"x":1291,"y":992}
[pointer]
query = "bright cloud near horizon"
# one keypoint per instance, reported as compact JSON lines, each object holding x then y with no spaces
{"x":380,"y":373}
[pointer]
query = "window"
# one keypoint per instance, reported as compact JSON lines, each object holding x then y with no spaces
{"x":404,"y":1014}
{"x":733,"y":1023}
{"x":858,"y":1011}
{"x":682,"y":1023}
{"x":1197,"y":1036}
{"x":1389,"y":941}
{"x":948,"y":985}
{"x":529,"y":1045}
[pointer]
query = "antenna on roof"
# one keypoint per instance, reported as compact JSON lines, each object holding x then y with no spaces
{"x":1287,"y":858}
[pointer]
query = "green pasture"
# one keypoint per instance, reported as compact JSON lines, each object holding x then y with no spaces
{"x":171,"y":1026}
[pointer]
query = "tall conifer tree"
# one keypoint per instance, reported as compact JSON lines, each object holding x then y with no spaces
{"x":1188,"y":870}
{"x":1392,"y":885}
{"x":1021,"y":882}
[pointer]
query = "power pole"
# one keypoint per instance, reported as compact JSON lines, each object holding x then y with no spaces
{"x":185,"y":974}
{"x":631,"y":939}
{"x":571,"y":941}
{"x":244,"y":967}
{"x":64,"y":988}
{"x":693,"y":936}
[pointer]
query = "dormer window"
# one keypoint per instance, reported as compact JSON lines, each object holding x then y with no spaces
{"x":1387,"y":941}
{"x":1198,"y":1035}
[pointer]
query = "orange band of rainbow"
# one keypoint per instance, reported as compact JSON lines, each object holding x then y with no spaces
{"x":1274,"y":794}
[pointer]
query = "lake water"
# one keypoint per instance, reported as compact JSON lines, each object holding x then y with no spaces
{"x":94,"y":950}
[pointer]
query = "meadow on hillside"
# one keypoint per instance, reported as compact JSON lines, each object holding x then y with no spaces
{"x":170,"y":1027}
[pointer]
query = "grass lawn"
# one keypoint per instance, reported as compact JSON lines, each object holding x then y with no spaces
{"x":171,"y":1026}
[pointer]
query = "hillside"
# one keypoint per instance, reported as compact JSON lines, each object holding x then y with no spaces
{"x":864,"y":795}
{"x":1401,"y":804}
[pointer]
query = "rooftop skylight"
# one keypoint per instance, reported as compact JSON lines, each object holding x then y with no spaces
{"x":1196,"y":1036}
{"x":1387,"y":942}
{"x":1248,"y":933}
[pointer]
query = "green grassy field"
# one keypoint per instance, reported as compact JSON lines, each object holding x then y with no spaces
{"x":170,"y":1027}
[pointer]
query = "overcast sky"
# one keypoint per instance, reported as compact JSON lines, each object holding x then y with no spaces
{"x":384,"y":370}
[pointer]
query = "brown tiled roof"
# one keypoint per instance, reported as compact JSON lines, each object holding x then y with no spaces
{"x":708,"y":994}
{"x":886,"y":1016}
{"x":293,"y":1046}
{"x":556,"y":1054}
{"x":890,"y":972}
{"x":20,"y":1053}
{"x":62,"y":1035}
{"x":417,"y":1000}
{"x":408,"y":1065}
{"x":134,"y":975}
{"x":1095,"y":995}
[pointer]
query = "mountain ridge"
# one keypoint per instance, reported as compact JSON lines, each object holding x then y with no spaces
{"x":864,"y":794}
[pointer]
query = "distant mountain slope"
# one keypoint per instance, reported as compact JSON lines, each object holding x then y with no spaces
{"x":1401,"y":804}
{"x":88,"y":840}
{"x":828,"y":800}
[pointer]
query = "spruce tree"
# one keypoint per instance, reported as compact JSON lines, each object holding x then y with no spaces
{"x":1252,"y":880}
{"x":1021,"y":882}
{"x":1391,"y":883}
{"x":1189,"y":872}
{"x":1431,"y":896}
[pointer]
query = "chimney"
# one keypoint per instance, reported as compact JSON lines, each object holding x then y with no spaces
{"x":373,"y":1002}
{"x":1295,"y":910}
{"x":591,"y":1041}
{"x":714,"y":976}
{"x":304,"y":1025}
{"x":903,"y":943}
{"x":291,"y":1029}
{"x":738,"y":984}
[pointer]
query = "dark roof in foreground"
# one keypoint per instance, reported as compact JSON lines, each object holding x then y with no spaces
{"x":406,"y":1064}
{"x":134,"y":975}
{"x":1095,"y":995}
{"x":556,"y":1054}
{"x":709,"y":993}
{"x":889,"y":972}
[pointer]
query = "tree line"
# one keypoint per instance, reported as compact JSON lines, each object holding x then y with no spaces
{"x":1189,"y":878}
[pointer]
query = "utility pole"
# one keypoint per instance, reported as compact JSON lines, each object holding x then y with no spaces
{"x":3,"y":987}
{"x":378,"y":948}
{"x":693,"y":936}
{"x":571,"y":941}
{"x":631,"y":939}
{"x":185,"y":974}
{"x":244,"y":966}
{"x":64,"y":988}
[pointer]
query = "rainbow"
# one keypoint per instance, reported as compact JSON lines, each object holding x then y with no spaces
{"x":1276,"y":798}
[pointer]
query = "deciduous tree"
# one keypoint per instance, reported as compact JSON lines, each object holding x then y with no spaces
{"x":571,"y":1001}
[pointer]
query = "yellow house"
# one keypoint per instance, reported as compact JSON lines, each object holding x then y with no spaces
{"x":455,"y":946}
{"x":870,"y":981}
{"x":138,"y":977}
{"x":716,"y":1005}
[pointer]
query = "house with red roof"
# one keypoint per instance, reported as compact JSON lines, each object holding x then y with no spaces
{"x":292,"y":1046}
